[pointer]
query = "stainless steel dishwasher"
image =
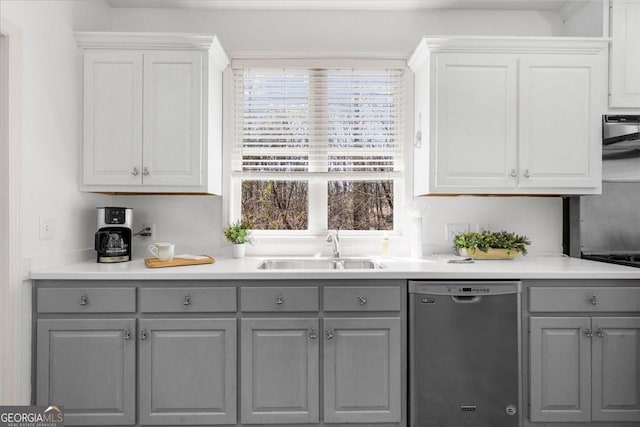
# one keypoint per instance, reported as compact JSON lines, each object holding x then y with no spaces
{"x":464,"y":353}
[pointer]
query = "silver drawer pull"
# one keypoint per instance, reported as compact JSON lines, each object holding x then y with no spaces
{"x":84,"y":300}
{"x":593,"y":300}
{"x":329,"y":334}
{"x":127,"y":334}
{"x":143,"y":334}
{"x":513,"y":173}
{"x":362,"y":300}
{"x":145,"y":171}
{"x":313,"y":334}
{"x":135,"y":172}
{"x":279,"y":299}
{"x":588,"y":333}
{"x":186,"y":300}
{"x":600,"y":332}
{"x":527,"y":174}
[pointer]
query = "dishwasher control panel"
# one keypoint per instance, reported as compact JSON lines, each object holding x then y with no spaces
{"x":469,"y":290}
{"x":460,"y":288}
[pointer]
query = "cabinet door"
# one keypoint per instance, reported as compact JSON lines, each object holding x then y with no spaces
{"x":173,"y":119}
{"x":112,"y":118}
{"x":279,"y":371}
{"x":560,"y":369}
{"x":88,"y":366}
{"x":187,"y":371}
{"x":616,"y":369}
{"x":475,"y":122}
{"x":362,"y":370}
{"x":625,"y":54}
{"x":561,"y":105}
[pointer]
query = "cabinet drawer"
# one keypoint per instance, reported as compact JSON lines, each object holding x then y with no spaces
{"x":279,"y":299}
{"x":584,"y":299}
{"x":86,"y":300}
{"x":185,"y":300}
{"x":362,"y":298}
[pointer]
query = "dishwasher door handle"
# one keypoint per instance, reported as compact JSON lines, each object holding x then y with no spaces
{"x":466,"y":299}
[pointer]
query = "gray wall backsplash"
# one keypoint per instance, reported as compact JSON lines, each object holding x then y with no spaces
{"x":611,"y":222}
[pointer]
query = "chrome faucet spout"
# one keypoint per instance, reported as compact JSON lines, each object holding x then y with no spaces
{"x":334,"y":238}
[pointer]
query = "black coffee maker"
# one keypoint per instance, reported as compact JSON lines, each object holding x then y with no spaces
{"x":113,"y":238}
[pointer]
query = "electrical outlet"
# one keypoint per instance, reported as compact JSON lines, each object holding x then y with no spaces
{"x":451,"y":230}
{"x":483,"y":226}
{"x":46,"y":228}
{"x":152,"y":230}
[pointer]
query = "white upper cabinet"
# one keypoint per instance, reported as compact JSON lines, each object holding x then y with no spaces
{"x":560,"y":122}
{"x":624,"y":73}
{"x":477,"y":106}
{"x":501,"y":115}
{"x":152,"y":112}
{"x":113,"y":118}
{"x":173,"y":96}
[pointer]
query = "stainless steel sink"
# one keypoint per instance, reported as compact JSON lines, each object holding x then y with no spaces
{"x":319,"y":264}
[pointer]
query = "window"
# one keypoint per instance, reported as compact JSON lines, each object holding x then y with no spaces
{"x":317,"y":148}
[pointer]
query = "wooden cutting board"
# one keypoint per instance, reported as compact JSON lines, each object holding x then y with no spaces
{"x":177,"y":262}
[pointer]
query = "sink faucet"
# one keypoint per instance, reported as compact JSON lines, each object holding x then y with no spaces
{"x":334,"y":238}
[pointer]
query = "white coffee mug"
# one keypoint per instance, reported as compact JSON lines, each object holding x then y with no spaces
{"x":162,"y":251}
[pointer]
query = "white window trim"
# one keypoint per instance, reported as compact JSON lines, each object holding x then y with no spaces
{"x":317,"y":230}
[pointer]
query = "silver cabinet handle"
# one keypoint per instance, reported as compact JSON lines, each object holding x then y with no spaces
{"x":186,"y":300}
{"x":588,"y":333}
{"x":593,"y":300}
{"x":145,"y":171}
{"x":313,"y":334}
{"x":329,"y":334}
{"x":143,"y":334}
{"x":513,"y":173}
{"x":84,"y":300}
{"x":600,"y":332}
{"x":135,"y":172}
{"x":127,"y":334}
{"x":279,"y":299}
{"x":362,"y":300}
{"x":527,"y":174}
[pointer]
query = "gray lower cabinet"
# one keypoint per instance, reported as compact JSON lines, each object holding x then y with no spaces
{"x":362,"y":370}
{"x":615,"y":360}
{"x":88,"y":366}
{"x":158,"y":353}
{"x":585,"y":369}
{"x":187,"y":371}
{"x":280,"y":370}
{"x":560,"y":373}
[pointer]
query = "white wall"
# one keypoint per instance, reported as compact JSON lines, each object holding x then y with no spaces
{"x":51,"y":129}
{"x":589,"y":21}
{"x":397,"y":31}
{"x":195,"y":223}
{"x":52,"y":124}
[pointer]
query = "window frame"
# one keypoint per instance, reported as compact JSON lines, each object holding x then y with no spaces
{"x":317,"y":186}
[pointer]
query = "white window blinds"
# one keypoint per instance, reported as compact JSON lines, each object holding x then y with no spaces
{"x":303,"y":123}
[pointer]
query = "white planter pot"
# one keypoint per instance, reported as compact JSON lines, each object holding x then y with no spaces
{"x":237,"y":250}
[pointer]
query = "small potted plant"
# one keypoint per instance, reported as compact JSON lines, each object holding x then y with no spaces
{"x":491,"y":244}
{"x":238,"y":235}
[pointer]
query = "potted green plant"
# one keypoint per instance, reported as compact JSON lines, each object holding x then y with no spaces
{"x":238,"y":234}
{"x":491,"y":244}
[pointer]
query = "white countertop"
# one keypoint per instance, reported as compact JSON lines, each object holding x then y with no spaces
{"x":524,"y":267}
